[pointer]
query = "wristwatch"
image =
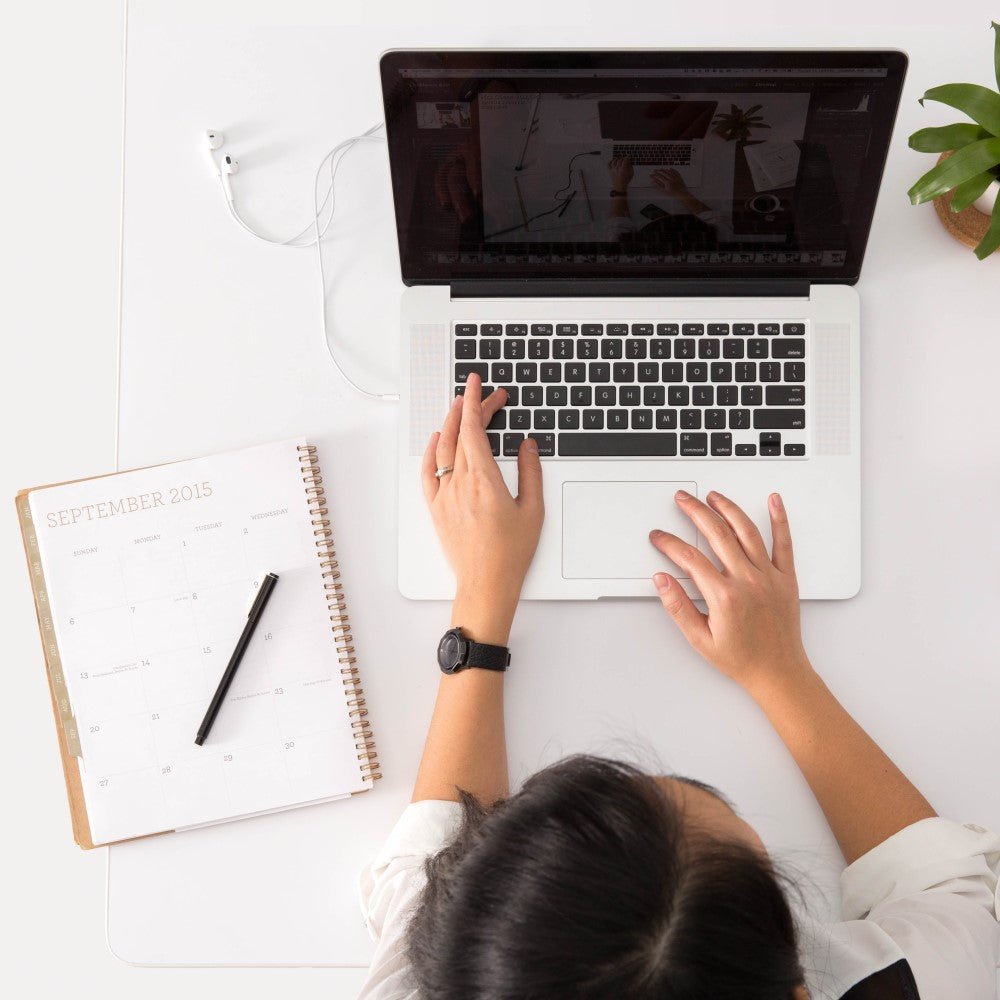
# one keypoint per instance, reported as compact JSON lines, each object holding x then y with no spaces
{"x":456,"y":652}
{"x":618,"y":194}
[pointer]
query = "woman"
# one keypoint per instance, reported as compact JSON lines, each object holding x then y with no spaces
{"x":597,"y":881}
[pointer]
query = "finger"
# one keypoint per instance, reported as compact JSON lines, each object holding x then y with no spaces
{"x":447,"y":443}
{"x":744,"y":529}
{"x":781,"y":535}
{"x":529,"y":475}
{"x":495,"y":401}
{"x":695,"y":564}
{"x":473,"y":446}
{"x":692,"y":623}
{"x":428,"y":467}
{"x":716,"y":531}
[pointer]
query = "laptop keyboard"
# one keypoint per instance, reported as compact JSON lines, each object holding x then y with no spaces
{"x":667,"y":154}
{"x":641,"y":390}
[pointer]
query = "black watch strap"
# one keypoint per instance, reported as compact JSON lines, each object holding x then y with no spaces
{"x":457,"y":652}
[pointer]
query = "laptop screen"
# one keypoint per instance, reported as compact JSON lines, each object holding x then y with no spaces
{"x":658,"y":166}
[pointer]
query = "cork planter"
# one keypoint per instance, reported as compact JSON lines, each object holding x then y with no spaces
{"x":968,"y":226}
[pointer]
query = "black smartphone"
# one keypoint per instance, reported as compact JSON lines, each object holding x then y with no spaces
{"x":652,"y":212}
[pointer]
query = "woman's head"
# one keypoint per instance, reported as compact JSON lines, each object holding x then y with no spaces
{"x":597,"y":881}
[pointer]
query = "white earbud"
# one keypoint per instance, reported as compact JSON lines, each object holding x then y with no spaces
{"x":213,"y":141}
{"x":229,"y":167}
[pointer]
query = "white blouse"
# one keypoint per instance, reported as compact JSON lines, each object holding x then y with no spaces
{"x":928,"y":895}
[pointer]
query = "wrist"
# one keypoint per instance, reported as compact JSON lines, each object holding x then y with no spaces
{"x":484,"y":616}
{"x":785,"y":686}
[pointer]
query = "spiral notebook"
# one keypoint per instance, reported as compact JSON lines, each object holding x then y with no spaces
{"x":142,"y":583}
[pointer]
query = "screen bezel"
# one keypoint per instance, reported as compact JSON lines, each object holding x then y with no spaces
{"x":741,"y":278}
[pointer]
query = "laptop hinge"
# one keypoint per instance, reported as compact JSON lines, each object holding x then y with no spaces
{"x":621,"y":288}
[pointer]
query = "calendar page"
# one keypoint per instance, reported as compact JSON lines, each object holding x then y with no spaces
{"x":150,"y":576}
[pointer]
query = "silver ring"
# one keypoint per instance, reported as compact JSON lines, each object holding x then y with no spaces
{"x":444,"y":471}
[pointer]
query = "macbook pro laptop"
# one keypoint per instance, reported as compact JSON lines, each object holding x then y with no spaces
{"x":652,"y":336}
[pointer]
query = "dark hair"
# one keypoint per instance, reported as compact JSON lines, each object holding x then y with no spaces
{"x":586,"y":884}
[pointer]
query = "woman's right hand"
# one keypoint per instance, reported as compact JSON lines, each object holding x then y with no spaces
{"x":751,"y":632}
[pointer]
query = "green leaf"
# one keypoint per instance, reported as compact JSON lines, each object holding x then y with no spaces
{"x":968,"y":191}
{"x":937,"y":140}
{"x":980,"y":103}
{"x":757,"y":107}
{"x":996,"y":52}
{"x":959,"y":167}
{"x":991,"y":240}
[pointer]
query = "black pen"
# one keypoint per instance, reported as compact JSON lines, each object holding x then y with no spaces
{"x":267,"y":585}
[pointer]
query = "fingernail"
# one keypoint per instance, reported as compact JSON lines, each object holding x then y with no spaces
{"x":661,"y":581}
{"x":776,"y":500}
{"x":655,"y":533}
{"x":531,"y":445}
{"x":457,"y":401}
{"x":681,"y":495}
{"x":712,"y":496}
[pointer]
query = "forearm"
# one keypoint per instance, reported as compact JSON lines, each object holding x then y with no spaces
{"x":466,"y":745}
{"x":865,"y":797}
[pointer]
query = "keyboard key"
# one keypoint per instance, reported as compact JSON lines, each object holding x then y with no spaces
{"x":494,"y":440}
{"x":667,"y":329}
{"x":606,"y":395}
{"x":693,"y":329}
{"x":642,"y":329}
{"x":666,"y":420}
{"x":526,"y":372}
{"x":599,"y":371}
{"x":538,"y":350}
{"x":568,"y":420}
{"x":616,"y":329}
{"x":556,"y":395}
{"x":770,"y":445}
{"x":581,"y":395}
{"x":623,"y":371}
{"x":733,"y":349}
{"x":673,"y":371}
{"x":490,"y":330}
{"x":546,"y":444}
{"x":642,"y":420}
{"x":793,"y":348}
{"x":550,"y":371}
{"x":697,"y":372}
{"x":660,"y":349}
{"x":773,"y":419}
{"x":489,"y":349}
{"x":541,"y":330}
{"x":575,"y":371}
{"x":709,"y":349}
{"x":562,"y":348}
{"x":718,"y":329}
{"x":691,"y":420}
{"x":502,"y":371}
{"x":770,"y":371}
{"x":512,"y":395}
{"x":593,"y":329}
{"x":465,"y":329}
{"x":679,"y":395}
{"x":567,"y":329}
{"x":715,"y":420}
{"x":727,"y":395}
{"x":793,"y":329}
{"x":653,"y":395}
{"x":684,"y":348}
{"x":498,"y":422}
{"x":648,"y":371}
{"x":653,"y":444}
{"x":694,"y":445}
{"x":794,"y":450}
{"x":722,"y":445}
{"x":739,"y":420}
{"x":746,"y":371}
{"x":751,"y":395}
{"x":514,"y":350}
{"x":768,"y":329}
{"x":635,"y":349}
{"x":464,"y":370}
{"x":757,"y":348}
{"x":629,"y":395}
{"x":617,"y":420}
{"x":516,"y":329}
{"x":743,"y":329}
{"x":531,"y":395}
{"x":722,"y":371}
{"x":545,"y":420}
{"x":611,"y":349}
{"x":703,"y":395}
{"x":795,"y":371}
{"x":511,"y":442}
{"x":520,"y":420}
{"x":593,"y":420}
{"x":746,"y":449}
{"x":587,"y":350}
{"x":465,"y":349}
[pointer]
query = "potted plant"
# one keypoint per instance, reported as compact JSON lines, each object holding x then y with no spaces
{"x":970,"y":163}
{"x":737,"y":124}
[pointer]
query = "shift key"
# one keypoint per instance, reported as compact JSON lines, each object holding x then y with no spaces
{"x":774,"y":420}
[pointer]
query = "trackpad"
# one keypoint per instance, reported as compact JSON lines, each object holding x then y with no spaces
{"x":606,"y":528}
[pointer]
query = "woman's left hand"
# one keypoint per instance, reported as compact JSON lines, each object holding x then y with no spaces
{"x":488,"y":536}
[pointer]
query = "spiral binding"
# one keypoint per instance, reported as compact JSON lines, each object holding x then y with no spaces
{"x":341,"y":627}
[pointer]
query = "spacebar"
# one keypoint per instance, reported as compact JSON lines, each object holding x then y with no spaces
{"x":635,"y":444}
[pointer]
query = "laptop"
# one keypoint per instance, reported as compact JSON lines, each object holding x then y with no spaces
{"x":651,"y":338}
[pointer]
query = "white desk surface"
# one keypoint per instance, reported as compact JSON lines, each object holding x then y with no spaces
{"x":221,"y":347}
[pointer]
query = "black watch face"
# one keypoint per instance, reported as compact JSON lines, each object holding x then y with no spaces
{"x":451,"y":651}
